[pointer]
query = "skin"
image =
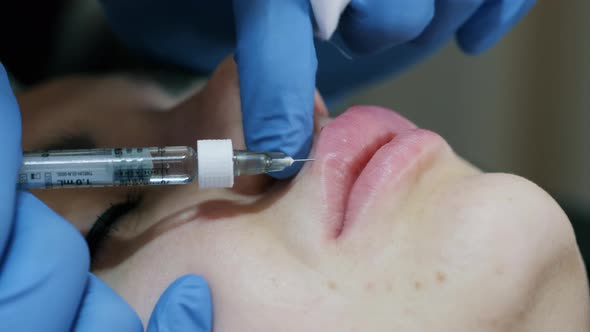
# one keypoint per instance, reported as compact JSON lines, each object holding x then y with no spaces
{"x":449,"y":248}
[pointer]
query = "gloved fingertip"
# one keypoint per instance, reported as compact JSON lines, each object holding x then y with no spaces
{"x":5,"y":88}
{"x":8,"y":105}
{"x":2,"y":70}
{"x":10,"y":143}
{"x":100,"y":302}
{"x":472,"y":44}
{"x":184,"y":306}
{"x":490,"y":23}
{"x":296,"y":144}
{"x":369,"y":27}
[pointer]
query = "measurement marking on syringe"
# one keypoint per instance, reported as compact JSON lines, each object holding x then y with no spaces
{"x":161,"y":150}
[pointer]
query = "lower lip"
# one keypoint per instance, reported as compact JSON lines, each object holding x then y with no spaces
{"x":362,"y":153}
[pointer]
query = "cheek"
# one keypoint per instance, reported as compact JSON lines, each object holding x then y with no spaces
{"x":454,"y":224}
{"x":480,"y":224}
{"x":237,"y":257}
{"x":397,"y":208}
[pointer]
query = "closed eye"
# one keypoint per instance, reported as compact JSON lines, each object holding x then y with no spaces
{"x":107,"y":221}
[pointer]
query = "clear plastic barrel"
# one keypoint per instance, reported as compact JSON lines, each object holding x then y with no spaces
{"x":108,"y":167}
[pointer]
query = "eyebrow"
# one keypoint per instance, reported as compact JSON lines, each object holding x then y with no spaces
{"x":67,"y":142}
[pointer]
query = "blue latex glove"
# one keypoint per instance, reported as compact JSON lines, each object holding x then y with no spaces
{"x":275,"y":50}
{"x":369,"y":26}
{"x":45,"y":284}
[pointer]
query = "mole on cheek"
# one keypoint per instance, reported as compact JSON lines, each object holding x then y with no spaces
{"x":418,"y":285}
{"x":389,"y":287}
{"x":441,"y":277}
{"x":332,"y":285}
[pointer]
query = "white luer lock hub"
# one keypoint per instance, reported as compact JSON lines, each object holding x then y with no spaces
{"x":215,"y":163}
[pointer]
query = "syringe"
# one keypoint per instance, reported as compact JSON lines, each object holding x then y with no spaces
{"x":215,"y":164}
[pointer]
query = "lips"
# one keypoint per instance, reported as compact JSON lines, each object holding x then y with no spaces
{"x":362,"y":152}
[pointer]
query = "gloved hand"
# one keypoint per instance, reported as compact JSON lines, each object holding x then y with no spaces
{"x":368,"y":26}
{"x":275,"y":50}
{"x":45,"y":284}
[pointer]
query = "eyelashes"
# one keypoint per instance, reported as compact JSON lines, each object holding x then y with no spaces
{"x":107,"y":222}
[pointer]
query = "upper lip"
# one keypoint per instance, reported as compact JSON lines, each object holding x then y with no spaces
{"x":345,"y":147}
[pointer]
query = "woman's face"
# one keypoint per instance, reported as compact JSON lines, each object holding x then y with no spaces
{"x":387,"y":230}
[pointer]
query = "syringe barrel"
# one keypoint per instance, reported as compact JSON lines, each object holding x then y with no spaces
{"x":108,"y":167}
{"x":131,"y":167}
